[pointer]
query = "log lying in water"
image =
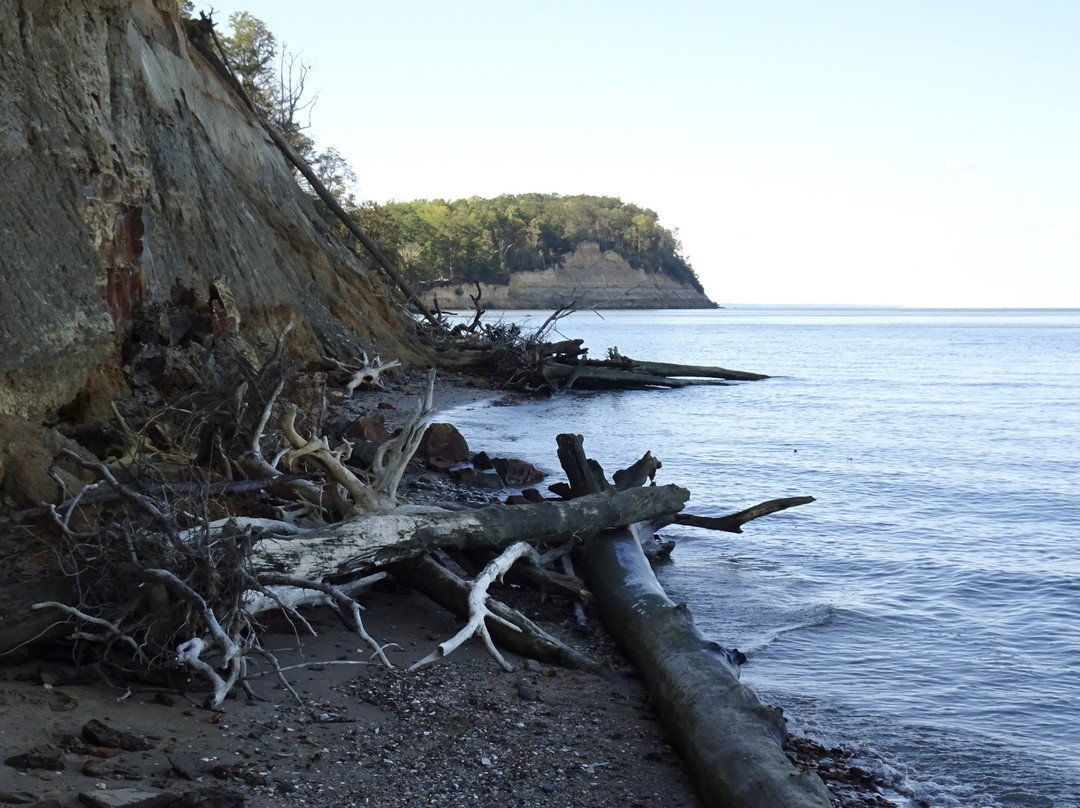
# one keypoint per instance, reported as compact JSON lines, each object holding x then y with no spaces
{"x":733,"y":744}
{"x":675,"y":370}
{"x":600,"y":377}
{"x":621,"y":372}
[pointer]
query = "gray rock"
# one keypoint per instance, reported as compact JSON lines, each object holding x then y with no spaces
{"x":467,"y":475}
{"x":186,"y":766}
{"x":45,"y":759}
{"x":100,"y":734}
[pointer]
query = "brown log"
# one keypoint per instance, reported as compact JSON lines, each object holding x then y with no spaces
{"x":568,"y":347}
{"x":733,"y":522}
{"x":584,"y":474}
{"x":669,"y":369}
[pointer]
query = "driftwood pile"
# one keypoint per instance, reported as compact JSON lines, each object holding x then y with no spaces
{"x":214,"y":495}
{"x":529,"y":361}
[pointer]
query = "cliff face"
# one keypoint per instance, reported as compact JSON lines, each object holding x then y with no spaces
{"x":129,"y":166}
{"x":591,"y":277}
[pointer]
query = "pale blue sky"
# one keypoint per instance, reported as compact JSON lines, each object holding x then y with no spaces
{"x":894,"y":153}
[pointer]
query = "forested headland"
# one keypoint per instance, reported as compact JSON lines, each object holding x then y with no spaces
{"x":476,"y":239}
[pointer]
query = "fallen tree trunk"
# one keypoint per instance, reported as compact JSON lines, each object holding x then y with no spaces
{"x":612,"y":377}
{"x":220,"y":64}
{"x":368,"y":541}
{"x":731,"y":742}
{"x":670,"y":369}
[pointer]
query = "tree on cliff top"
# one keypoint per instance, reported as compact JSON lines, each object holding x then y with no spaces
{"x":273,"y":77}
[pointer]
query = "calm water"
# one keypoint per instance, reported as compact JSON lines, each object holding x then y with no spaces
{"x":925,"y":611}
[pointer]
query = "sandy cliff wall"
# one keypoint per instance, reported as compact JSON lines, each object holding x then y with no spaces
{"x":590,"y":276}
{"x":128,"y":165}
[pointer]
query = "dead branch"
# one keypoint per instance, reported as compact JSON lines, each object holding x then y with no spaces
{"x":369,"y":372}
{"x":111,"y":629}
{"x":733,"y":523}
{"x":478,"y":610}
{"x":394,"y":455}
{"x":337,"y":597}
{"x":387,"y":467}
{"x":233,"y":651}
{"x":426,"y":575}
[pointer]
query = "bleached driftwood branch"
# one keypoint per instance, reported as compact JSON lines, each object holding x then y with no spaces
{"x":111,"y":629}
{"x":368,"y":373}
{"x":290,"y":592}
{"x":478,"y":610}
{"x":380,"y":494}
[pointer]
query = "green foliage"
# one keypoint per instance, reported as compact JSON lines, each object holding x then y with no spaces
{"x":476,"y":239}
{"x":251,"y":50}
{"x":276,"y":81}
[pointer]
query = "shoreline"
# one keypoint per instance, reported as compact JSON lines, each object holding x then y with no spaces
{"x":460,"y":732}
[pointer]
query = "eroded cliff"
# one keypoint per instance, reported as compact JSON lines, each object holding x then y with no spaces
{"x":590,"y":277}
{"x":129,"y":166}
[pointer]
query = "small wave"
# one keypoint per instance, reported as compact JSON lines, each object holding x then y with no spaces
{"x":815,"y":617}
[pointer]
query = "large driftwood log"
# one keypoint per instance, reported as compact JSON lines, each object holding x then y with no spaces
{"x":669,"y":369}
{"x":368,"y":541}
{"x":733,"y":745}
{"x":586,"y":375}
{"x":624,"y":373}
{"x":731,"y":742}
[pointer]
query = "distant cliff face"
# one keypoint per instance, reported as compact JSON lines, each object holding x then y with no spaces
{"x":589,"y":277}
{"x":128,"y":165}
